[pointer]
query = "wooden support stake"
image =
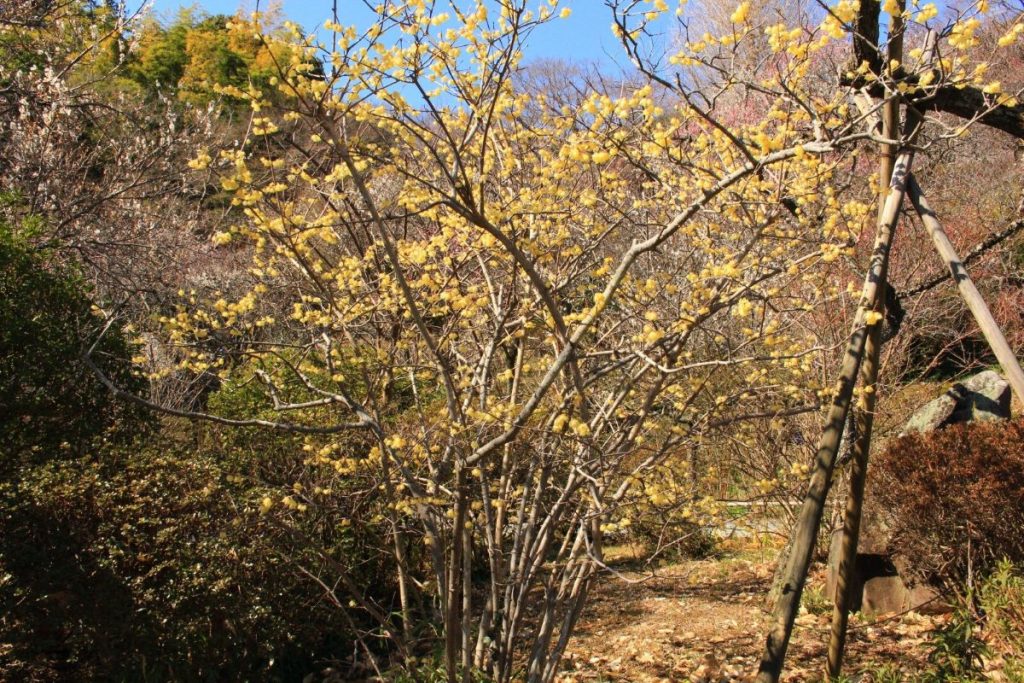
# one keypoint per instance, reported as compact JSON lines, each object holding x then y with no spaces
{"x":809,"y":521}
{"x":993,"y":335}
{"x":845,"y":583}
{"x":865,"y":417}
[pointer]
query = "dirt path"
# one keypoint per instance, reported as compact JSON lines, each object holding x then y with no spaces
{"x":704,"y":621}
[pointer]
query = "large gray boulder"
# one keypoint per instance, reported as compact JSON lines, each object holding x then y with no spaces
{"x":982,"y":397}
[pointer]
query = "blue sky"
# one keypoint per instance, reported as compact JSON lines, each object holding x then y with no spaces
{"x":585,"y":36}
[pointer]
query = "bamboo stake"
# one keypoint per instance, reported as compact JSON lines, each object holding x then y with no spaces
{"x":989,"y":327}
{"x":809,"y":521}
{"x":845,"y":584}
{"x":864,"y":418}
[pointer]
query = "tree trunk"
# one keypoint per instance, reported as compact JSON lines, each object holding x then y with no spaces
{"x":453,"y":604}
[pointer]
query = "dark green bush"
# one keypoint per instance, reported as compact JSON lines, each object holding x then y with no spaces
{"x":50,"y":401}
{"x":151,"y":563}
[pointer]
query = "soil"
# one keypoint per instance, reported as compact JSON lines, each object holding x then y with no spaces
{"x":706,"y":621}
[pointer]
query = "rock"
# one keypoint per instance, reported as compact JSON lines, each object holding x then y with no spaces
{"x":931,"y":416}
{"x":873,"y":542}
{"x":983,"y":397}
{"x":884,"y":595}
{"x":879,"y":586}
{"x":885,"y":591}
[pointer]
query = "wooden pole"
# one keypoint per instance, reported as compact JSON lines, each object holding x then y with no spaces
{"x":845,"y":580}
{"x":865,"y":417}
{"x":989,"y":327}
{"x":809,"y":520}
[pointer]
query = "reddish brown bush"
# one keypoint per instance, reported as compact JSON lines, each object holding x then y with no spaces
{"x":955,"y":499}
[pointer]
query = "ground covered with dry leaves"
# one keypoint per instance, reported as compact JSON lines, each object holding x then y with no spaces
{"x":705,"y":621}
